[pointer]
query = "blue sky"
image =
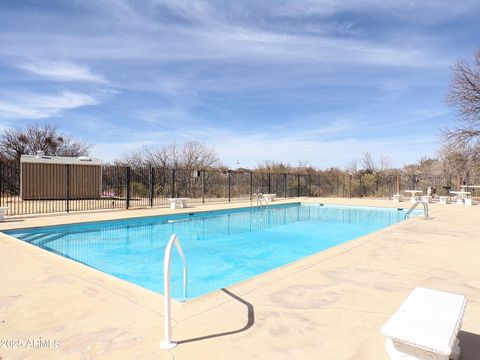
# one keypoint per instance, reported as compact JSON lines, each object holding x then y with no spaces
{"x":317,"y":81}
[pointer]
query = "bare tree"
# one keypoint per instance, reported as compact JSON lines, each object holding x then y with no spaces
{"x":274,"y":167}
{"x":464,"y":96}
{"x":367,"y":162}
{"x":17,"y":142}
{"x":192,"y":155}
{"x":454,"y":161}
{"x":196,"y":155}
{"x":428,"y":165}
{"x":142,"y":157}
{"x":353,"y":167}
{"x":282,"y":168}
{"x":384,"y":162}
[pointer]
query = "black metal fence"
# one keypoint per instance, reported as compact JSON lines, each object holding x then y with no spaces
{"x":128,"y":187}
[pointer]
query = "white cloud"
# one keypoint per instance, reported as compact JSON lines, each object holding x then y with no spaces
{"x":35,"y":106}
{"x":292,"y":149}
{"x":62,"y":71}
{"x":249,"y":56}
{"x":316,"y":148}
{"x":205,"y":33}
{"x":427,"y":10}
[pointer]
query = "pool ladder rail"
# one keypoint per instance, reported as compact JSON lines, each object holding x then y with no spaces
{"x":259,"y":197}
{"x":414,"y":206}
{"x":167,"y":343}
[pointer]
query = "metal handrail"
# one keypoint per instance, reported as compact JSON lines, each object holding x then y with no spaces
{"x":254,"y":195}
{"x":167,"y":343}
{"x":425,"y":209}
{"x":259,"y":198}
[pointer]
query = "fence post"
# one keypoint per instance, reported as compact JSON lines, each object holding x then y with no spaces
{"x":298,"y":185}
{"x":285,"y":185}
{"x":152,"y":185}
{"x":361,"y":185}
{"x":251,"y":185}
{"x":350,"y":185}
{"x":269,"y":183}
{"x":127,"y":187}
{"x":67,"y":188}
{"x":309,"y":185}
{"x":1,"y":184}
{"x":336,"y":185}
{"x":203,"y":186}
{"x":173,"y":183}
{"x":229,"y":185}
{"x":319,"y":185}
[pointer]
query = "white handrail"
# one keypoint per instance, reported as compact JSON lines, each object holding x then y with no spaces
{"x":425,"y":209}
{"x":259,"y":198}
{"x":167,"y":343}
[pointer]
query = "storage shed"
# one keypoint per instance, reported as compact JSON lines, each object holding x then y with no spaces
{"x":45,"y":177}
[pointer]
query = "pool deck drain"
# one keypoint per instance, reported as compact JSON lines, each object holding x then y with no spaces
{"x":330,"y":305}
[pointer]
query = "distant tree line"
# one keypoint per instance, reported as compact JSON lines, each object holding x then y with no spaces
{"x":195,"y":155}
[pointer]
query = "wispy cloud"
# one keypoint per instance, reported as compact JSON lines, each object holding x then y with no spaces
{"x":315,"y":80}
{"x":35,"y":106}
{"x":409,"y":10}
{"x":62,"y":71}
{"x":251,"y":148}
{"x":201,"y":31}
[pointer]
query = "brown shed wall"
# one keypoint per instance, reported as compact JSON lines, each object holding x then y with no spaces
{"x":49,"y":181}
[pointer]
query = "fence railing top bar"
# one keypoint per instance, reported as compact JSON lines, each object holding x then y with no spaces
{"x":119,"y":186}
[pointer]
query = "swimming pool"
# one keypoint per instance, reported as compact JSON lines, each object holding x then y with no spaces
{"x":221,"y":247}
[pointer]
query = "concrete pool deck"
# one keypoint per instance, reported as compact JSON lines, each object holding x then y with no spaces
{"x":330,"y":305}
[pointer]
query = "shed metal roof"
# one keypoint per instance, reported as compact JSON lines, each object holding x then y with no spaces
{"x":66,"y":160}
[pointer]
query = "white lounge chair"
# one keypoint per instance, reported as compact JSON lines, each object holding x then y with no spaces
{"x":426,"y":326}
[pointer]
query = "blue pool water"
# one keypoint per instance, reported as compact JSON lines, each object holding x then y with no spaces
{"x":221,"y":247}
